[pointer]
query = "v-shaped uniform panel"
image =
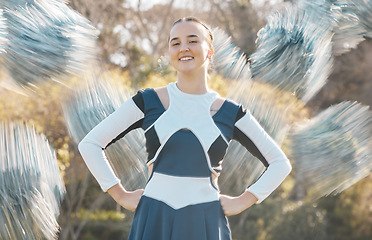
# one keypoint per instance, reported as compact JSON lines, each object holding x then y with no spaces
{"x":188,"y":111}
{"x":182,"y":155}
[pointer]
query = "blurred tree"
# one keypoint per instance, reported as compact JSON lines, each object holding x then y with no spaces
{"x":105,"y":16}
{"x":239,"y":19}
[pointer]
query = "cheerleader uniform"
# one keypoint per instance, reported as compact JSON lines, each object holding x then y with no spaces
{"x":186,"y":145}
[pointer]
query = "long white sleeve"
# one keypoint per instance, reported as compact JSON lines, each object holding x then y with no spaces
{"x":259,"y":143}
{"x":92,"y":146}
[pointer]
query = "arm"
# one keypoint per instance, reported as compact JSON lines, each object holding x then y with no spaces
{"x":252,"y":136}
{"x":127,"y":117}
{"x":127,"y":199}
{"x":235,"y":205}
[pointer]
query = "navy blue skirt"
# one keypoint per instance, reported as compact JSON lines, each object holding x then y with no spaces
{"x":155,"y":220}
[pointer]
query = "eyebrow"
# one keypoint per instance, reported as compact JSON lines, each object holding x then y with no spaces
{"x":189,"y":36}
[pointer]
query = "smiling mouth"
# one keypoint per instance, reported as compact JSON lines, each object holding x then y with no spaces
{"x":184,"y":59}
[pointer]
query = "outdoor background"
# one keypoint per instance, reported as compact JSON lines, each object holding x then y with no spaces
{"x":132,"y":37}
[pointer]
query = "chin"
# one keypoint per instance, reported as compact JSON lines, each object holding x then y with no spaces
{"x":185,"y":69}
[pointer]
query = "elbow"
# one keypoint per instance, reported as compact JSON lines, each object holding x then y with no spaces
{"x":283,"y":165}
{"x":288,"y":166}
{"x":82,"y":145}
{"x":87,"y":145}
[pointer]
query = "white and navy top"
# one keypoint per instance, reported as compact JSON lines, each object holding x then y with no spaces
{"x":185,"y":132}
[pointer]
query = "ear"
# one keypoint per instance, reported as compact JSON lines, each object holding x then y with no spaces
{"x":210,"y":53}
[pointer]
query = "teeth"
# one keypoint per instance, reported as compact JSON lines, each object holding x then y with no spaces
{"x":185,"y":58}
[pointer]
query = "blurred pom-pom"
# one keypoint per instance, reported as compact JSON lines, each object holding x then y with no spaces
{"x":2,"y":32}
{"x":92,"y":103}
{"x":332,"y":151}
{"x":31,"y":186}
{"x":349,"y":31}
{"x":293,"y":52}
{"x":46,"y":40}
{"x":365,"y":14}
{"x":228,"y":60}
{"x":351,"y":20}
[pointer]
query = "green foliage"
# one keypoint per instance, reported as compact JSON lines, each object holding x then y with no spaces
{"x":168,"y":74}
{"x":105,"y":231}
{"x":350,"y":213}
{"x":255,"y":222}
{"x":100,"y":215}
{"x":347,"y":216}
{"x":159,"y":79}
{"x":280,"y":219}
{"x":140,"y":64}
{"x":41,"y":109}
{"x":303,"y":221}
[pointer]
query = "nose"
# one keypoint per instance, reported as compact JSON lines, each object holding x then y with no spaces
{"x":184,"y":48}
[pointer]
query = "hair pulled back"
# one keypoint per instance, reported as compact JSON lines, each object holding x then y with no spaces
{"x":196,"y":20}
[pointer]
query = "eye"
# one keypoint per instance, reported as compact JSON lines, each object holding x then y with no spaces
{"x":175,"y":44}
{"x":193,"y":41}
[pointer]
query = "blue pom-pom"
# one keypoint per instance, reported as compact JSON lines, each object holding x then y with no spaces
{"x":2,"y":32}
{"x":228,"y":60}
{"x":31,"y":186}
{"x":294,"y":53}
{"x":332,"y":151}
{"x":365,"y":14}
{"x":349,"y":31}
{"x":46,"y":40}
{"x":344,"y":17}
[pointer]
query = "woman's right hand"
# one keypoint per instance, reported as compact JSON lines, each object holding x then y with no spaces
{"x":127,"y":199}
{"x":131,"y":199}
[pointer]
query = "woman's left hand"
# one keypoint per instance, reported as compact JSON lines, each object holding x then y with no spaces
{"x":235,"y":205}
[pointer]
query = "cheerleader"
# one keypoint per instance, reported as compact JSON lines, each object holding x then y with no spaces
{"x":188,"y":128}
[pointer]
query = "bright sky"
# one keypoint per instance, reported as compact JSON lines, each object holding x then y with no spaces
{"x":146,"y":4}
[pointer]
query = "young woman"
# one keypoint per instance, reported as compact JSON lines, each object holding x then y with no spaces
{"x":188,"y":128}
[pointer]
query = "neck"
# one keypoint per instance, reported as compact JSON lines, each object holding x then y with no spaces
{"x":192,"y":83}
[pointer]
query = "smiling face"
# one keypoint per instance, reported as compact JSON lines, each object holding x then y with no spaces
{"x":189,"y":47}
